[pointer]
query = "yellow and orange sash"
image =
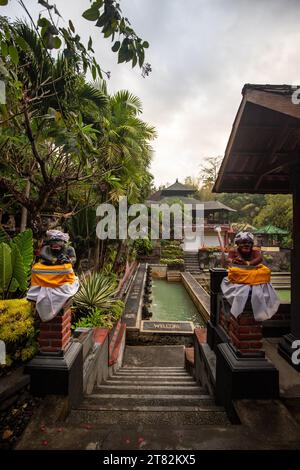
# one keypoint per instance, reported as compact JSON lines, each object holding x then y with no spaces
{"x":52,"y":276}
{"x":256,"y":275}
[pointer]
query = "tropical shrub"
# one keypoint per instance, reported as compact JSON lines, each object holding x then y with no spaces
{"x":172,"y":253}
{"x":143,"y":246}
{"x":169,"y":261}
{"x":16,"y":257}
{"x":96,"y":303}
{"x":96,"y":291}
{"x":17,"y":330}
{"x":97,"y":318}
{"x":165,"y":243}
{"x":81,"y":228}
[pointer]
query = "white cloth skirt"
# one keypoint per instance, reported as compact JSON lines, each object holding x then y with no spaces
{"x":264,"y":299}
{"x":50,"y":300}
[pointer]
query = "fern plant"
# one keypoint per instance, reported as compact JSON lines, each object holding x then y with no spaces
{"x":16,"y":256}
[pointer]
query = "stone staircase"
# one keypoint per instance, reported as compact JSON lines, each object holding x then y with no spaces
{"x":153,"y":403}
{"x":281,"y":280}
{"x":173,"y":276}
{"x":149,"y":395}
{"x":191,"y":262}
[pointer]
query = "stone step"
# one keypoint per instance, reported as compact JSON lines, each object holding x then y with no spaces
{"x":171,"y":383}
{"x":163,"y":355}
{"x":153,"y":389}
{"x":142,"y":376}
{"x":154,"y":368}
{"x":191,"y":256}
{"x":160,"y":416}
{"x":160,"y":373}
{"x":129,"y":400}
{"x":153,"y":378}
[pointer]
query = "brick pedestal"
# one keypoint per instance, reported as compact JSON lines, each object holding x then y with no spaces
{"x":55,"y":334}
{"x":224,"y":321}
{"x":57,"y":369}
{"x":246,"y":333}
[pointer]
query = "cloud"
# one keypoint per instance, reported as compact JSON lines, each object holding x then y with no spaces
{"x":202,"y":52}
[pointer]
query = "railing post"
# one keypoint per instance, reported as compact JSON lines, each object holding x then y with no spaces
{"x":215,"y":335}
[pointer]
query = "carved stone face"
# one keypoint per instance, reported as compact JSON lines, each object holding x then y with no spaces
{"x":56,"y":245}
{"x":245,"y":247}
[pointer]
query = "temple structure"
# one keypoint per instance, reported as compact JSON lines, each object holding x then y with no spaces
{"x":262,"y":156}
{"x":215,"y":213}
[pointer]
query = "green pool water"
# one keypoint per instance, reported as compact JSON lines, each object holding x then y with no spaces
{"x":284,"y":294}
{"x":171,"y":302}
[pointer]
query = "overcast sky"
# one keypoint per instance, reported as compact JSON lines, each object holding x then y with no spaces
{"x":202,"y":52}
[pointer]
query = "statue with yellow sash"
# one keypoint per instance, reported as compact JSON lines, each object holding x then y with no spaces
{"x":247,"y":279}
{"x":53,"y":280}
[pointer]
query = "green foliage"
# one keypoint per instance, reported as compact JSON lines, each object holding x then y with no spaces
{"x":170,"y":243}
{"x":98,"y":318}
{"x":4,"y":236}
{"x":64,"y":137}
{"x":17,"y":330}
{"x":81,"y":228}
{"x":170,"y":261}
{"x":71,"y":136}
{"x":143,"y":246}
{"x":5,"y":267}
{"x":247,"y":206}
{"x":108,"y":17}
{"x":171,"y":251}
{"x":24,"y":243}
{"x":272,"y":212}
{"x":16,"y":258}
{"x":96,"y":291}
{"x":96,"y":303}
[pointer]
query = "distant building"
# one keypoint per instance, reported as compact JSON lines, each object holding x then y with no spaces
{"x":215,"y":214}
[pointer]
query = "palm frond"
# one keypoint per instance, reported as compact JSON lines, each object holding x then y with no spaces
{"x":90,"y":93}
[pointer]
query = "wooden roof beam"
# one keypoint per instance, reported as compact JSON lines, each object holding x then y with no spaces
{"x":280,"y":103}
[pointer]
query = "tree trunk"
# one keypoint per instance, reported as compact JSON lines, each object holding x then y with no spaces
{"x":118,"y":255}
{"x":24,"y":213}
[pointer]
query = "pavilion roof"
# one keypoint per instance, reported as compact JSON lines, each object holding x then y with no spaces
{"x":208,"y":205}
{"x":242,"y":227}
{"x":179,"y":187}
{"x":264,"y":143}
{"x":271,"y":230}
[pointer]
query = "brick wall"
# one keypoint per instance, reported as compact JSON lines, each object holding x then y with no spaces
{"x":55,"y":335}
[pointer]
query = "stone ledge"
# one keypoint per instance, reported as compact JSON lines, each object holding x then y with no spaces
{"x":12,"y":383}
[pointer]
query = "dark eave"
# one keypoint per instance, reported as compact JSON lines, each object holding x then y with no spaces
{"x":264,"y":144}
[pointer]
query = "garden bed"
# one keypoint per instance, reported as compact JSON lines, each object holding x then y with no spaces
{"x":16,"y":407}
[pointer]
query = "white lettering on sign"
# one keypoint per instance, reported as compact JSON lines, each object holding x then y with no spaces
{"x":2,"y":353}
